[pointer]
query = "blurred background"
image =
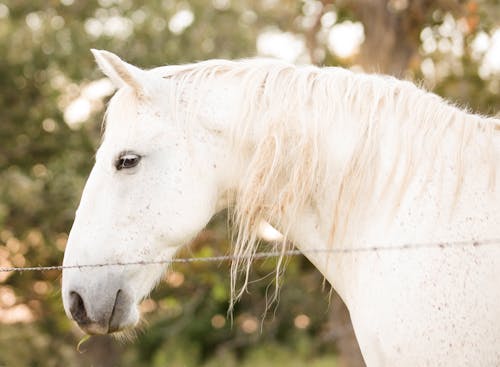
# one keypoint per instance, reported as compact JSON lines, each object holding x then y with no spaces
{"x":52,"y":99}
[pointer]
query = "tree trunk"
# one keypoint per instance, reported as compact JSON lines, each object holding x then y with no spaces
{"x":392,"y":31}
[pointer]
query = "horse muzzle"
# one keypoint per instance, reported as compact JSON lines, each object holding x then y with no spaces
{"x":99,"y":308}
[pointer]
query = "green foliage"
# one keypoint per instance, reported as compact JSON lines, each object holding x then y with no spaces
{"x":44,"y":65}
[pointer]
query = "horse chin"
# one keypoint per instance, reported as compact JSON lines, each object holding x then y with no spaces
{"x":98,"y":329}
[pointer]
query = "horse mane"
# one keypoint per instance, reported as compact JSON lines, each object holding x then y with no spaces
{"x":296,"y":109}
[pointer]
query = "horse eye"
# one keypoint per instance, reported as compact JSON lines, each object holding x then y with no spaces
{"x":127,"y":160}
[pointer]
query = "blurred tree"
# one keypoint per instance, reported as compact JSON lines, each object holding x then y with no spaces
{"x":392,"y":31}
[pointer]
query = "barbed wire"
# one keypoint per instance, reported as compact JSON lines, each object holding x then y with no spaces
{"x":263,"y":255}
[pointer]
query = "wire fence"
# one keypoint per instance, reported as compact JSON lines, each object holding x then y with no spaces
{"x":268,"y":254}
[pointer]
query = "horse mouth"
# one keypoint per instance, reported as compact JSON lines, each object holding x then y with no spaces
{"x":94,"y":328}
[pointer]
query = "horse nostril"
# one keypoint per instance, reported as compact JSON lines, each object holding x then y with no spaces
{"x":123,"y":309}
{"x":77,"y":308}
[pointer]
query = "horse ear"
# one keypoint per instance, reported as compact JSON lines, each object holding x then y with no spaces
{"x":120,"y":72}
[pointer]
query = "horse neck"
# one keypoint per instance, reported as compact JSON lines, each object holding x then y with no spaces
{"x":288,"y":148}
{"x":278,"y":166}
{"x":318,"y":168}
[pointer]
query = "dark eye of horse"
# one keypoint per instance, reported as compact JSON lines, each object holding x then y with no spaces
{"x":127,"y":160}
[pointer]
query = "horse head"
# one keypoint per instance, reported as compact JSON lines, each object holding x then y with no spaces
{"x":155,"y":184}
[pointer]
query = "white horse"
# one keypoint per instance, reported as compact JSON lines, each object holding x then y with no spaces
{"x":330,"y":158}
